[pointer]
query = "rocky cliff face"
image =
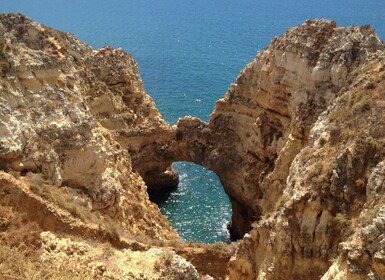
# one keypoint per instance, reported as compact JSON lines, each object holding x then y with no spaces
{"x":265,"y":118}
{"x":269,"y":111}
{"x":62,"y":169}
{"x":58,"y":96}
{"x":75,"y":127}
{"x":307,"y":113}
{"x":297,"y":142}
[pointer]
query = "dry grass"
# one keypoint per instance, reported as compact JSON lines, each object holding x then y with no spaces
{"x":16,"y":263}
{"x":17,"y":231}
{"x":206,"y":131}
{"x":164,"y":261}
{"x":222,"y":248}
{"x":113,"y":229}
{"x":20,"y":251}
{"x":62,"y":200}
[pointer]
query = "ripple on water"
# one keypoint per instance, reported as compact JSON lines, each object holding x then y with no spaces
{"x":196,"y":59}
{"x":198,"y":209}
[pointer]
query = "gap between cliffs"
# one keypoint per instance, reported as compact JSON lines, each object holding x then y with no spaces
{"x":198,"y":208}
{"x":264,"y":120}
{"x":287,"y":141}
{"x":192,"y":140}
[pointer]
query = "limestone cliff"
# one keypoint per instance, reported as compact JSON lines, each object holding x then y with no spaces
{"x":73,"y":204}
{"x":54,"y":92}
{"x":307,"y":116}
{"x":62,"y":170}
{"x":267,"y":114}
{"x":265,"y":118}
{"x":297,"y":142}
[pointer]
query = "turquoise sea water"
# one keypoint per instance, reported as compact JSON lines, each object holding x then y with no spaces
{"x":198,"y":208}
{"x":188,"y":53}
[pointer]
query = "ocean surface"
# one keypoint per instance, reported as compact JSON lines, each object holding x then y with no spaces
{"x":189,"y":51}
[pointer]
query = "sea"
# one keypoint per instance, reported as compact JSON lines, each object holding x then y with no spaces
{"x":189,"y":52}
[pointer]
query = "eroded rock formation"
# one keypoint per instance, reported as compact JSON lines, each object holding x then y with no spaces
{"x":315,"y":157}
{"x":73,"y":121}
{"x":55,"y":93}
{"x":295,"y":159}
{"x":270,"y":109}
{"x":297,"y":143}
{"x":265,"y":118}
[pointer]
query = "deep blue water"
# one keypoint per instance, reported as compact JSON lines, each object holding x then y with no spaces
{"x":188,"y":53}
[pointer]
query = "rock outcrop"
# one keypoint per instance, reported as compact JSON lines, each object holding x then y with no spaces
{"x":293,"y":156}
{"x":297,"y":142}
{"x":61,"y":166}
{"x":150,"y":264}
{"x":265,"y":118}
{"x":56,"y":93}
{"x":73,"y":123}
{"x":314,"y":155}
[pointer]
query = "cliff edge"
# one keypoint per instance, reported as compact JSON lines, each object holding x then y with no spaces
{"x":71,"y":205}
{"x":307,"y":119}
{"x":297,"y":142}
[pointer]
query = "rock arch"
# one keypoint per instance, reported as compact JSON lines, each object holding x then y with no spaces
{"x":255,"y":131}
{"x":265,"y":118}
{"x":195,"y":141}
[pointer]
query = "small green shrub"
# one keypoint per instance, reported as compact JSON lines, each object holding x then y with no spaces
{"x":341,"y":221}
{"x":356,"y":71}
{"x":372,"y":142}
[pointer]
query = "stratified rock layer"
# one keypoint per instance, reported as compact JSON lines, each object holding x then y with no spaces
{"x":308,"y":116}
{"x":297,"y":143}
{"x":292,"y":154}
{"x":58,"y":100}
{"x":76,"y":127}
{"x":265,"y":118}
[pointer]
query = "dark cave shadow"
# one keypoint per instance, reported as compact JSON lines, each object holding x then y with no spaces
{"x":161,"y":195}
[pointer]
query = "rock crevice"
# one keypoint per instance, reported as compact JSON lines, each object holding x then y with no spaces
{"x":265,"y":118}
{"x":297,"y":142}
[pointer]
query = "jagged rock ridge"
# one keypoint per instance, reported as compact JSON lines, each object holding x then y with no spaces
{"x":63,"y":171}
{"x":318,"y":94}
{"x":303,"y":171}
{"x":265,"y":118}
{"x":293,"y":156}
{"x":51,"y":111}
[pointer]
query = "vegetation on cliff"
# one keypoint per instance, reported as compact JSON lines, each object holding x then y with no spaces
{"x":297,"y":142}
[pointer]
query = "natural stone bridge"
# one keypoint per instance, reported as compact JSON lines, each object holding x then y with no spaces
{"x":192,"y":140}
{"x":258,"y":142}
{"x":264,"y":120}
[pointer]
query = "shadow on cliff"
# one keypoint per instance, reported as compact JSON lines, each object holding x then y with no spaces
{"x":161,"y":196}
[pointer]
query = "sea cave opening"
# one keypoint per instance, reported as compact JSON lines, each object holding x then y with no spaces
{"x":198,"y":208}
